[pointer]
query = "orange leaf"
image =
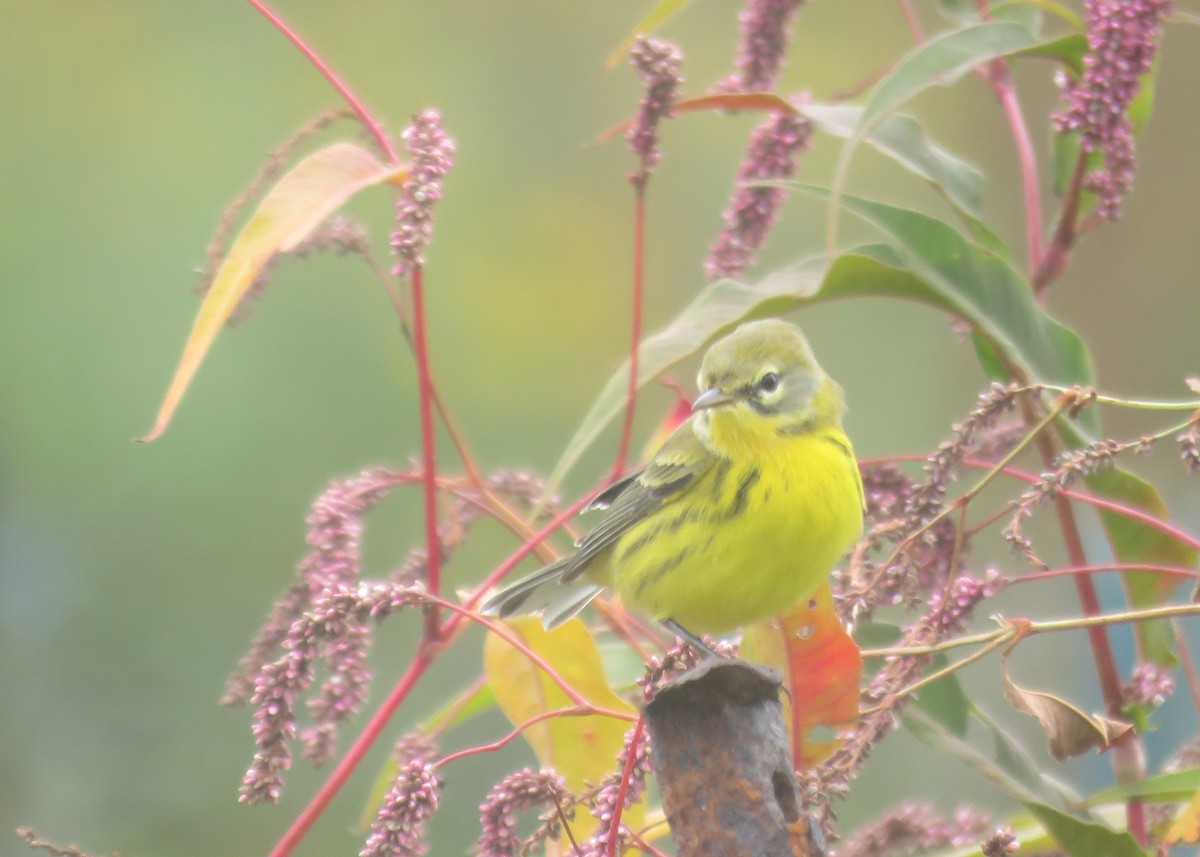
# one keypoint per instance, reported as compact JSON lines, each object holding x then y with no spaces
{"x":822,"y":668}
{"x":310,"y":192}
{"x":581,"y":749}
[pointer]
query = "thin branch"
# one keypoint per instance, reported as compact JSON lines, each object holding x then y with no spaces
{"x":623,"y":788}
{"x":330,"y":75}
{"x":501,"y":743}
{"x":639,"y":242}
{"x":433,"y":569}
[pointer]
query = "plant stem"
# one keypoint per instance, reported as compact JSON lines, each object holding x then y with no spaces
{"x":623,"y":788}
{"x":639,"y":241}
{"x":330,"y":75}
{"x":433,"y":572}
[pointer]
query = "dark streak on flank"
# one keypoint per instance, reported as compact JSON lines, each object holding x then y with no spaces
{"x":652,"y":574}
{"x":718,"y":480}
{"x":846,"y":451}
{"x":640,"y":542}
{"x":748,"y":481}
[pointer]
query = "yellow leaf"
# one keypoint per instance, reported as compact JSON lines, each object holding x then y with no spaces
{"x":1186,"y":826}
{"x":583,"y":750}
{"x":310,"y":192}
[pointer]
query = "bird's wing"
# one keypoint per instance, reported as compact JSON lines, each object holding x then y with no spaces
{"x":681,"y":461}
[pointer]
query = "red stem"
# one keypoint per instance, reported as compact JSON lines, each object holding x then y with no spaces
{"x":348,"y":763}
{"x":1174,"y":570}
{"x":433,"y":570}
{"x":639,"y":255}
{"x":330,"y":75}
{"x":1006,"y":94}
{"x":999,"y":78}
{"x":623,"y":788}
{"x":914,"y":24}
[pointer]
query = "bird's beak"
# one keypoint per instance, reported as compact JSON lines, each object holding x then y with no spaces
{"x":711,"y":398}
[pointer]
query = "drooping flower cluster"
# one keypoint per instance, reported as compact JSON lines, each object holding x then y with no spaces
{"x":399,"y":828}
{"x":927,"y":500}
{"x":658,"y":64}
{"x":280,"y":683}
{"x":1123,"y":36}
{"x":432,"y":155}
{"x":763,"y":45}
{"x":772,"y":155}
{"x":1067,"y":468}
{"x":518,"y":792}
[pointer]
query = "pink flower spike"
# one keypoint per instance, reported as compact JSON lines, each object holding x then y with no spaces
{"x":773,"y":154}
{"x":763,"y":46}
{"x":398,"y":829}
{"x":1123,"y":36}
{"x":658,"y":64}
{"x":432,"y":155}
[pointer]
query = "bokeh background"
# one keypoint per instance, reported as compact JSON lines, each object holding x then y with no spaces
{"x":132,"y":576}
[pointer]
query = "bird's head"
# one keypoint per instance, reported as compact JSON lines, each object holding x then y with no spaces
{"x":760,"y":381}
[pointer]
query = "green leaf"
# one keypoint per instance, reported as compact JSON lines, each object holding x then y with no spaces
{"x":1084,"y":838}
{"x":902,"y":138}
{"x":1024,"y":788}
{"x":1068,"y":50}
{"x":945,"y":700}
{"x":311,"y":191}
{"x":941,"y":60}
{"x":1057,"y":9}
{"x":1168,"y":788}
{"x":987,"y":291}
{"x":663,"y":11}
{"x":990,"y":294}
{"x":1132,"y":542}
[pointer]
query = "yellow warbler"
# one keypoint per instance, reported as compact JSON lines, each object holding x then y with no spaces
{"x":741,"y":513}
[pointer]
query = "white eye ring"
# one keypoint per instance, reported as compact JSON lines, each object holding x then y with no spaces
{"x":768,"y":383}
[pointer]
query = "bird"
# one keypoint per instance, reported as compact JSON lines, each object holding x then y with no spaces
{"x":741,"y":513}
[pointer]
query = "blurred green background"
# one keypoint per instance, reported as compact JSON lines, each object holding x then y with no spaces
{"x":132,"y":576}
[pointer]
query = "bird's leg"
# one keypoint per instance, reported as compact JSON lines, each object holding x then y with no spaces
{"x":688,"y":637}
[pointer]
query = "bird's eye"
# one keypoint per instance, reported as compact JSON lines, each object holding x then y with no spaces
{"x":768,"y":383}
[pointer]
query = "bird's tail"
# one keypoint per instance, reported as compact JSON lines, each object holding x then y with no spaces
{"x":542,"y":591}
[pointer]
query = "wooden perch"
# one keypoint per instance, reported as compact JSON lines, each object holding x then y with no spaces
{"x":720,"y":753}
